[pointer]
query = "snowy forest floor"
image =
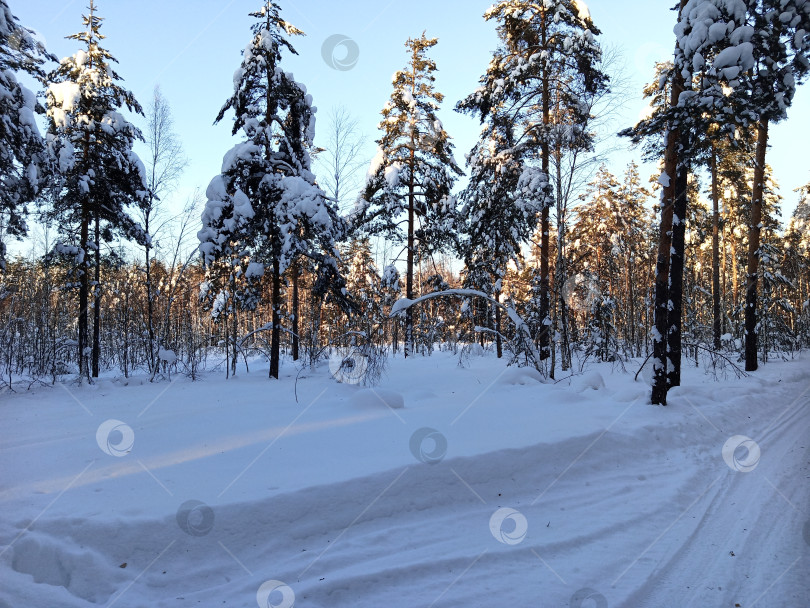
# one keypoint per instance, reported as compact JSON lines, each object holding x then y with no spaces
{"x":230,"y":492}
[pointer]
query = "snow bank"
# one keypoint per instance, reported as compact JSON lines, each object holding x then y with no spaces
{"x":592,"y":380}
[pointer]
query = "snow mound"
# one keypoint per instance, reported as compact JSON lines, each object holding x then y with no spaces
{"x":475,"y":349}
{"x":167,"y":355}
{"x":378,"y":397}
{"x":521,"y":376}
{"x":588,"y":380}
{"x":81,"y":572}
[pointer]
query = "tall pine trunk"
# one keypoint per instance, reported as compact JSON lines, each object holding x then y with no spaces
{"x":659,"y":389}
{"x":631,"y":306}
{"x":560,"y":277}
{"x":314,"y":326}
{"x":235,"y":332}
{"x":676,"y":265}
{"x":295,"y":307}
{"x":716,"y":320}
{"x":84,"y":292}
{"x":84,"y":282}
{"x":409,"y":270}
{"x":662,"y":265}
{"x":498,"y":343}
{"x":275,"y":341}
{"x":97,"y":298}
{"x":754,"y":230}
{"x":544,"y":341}
{"x":227,"y":344}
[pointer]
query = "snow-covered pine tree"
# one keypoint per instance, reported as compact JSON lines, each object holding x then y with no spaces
{"x":596,"y":261}
{"x":24,"y":162}
{"x":548,"y":52}
{"x":672,"y":121}
{"x":632,"y":246}
{"x":268,"y":174}
{"x":796,"y":266}
{"x":414,"y":170}
{"x":501,"y":205}
{"x":661,"y":133}
{"x":101,"y":176}
{"x":760,"y":50}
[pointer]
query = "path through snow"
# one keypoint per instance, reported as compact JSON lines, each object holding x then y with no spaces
{"x":526,"y":494}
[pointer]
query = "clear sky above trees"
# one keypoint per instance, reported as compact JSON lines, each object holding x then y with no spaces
{"x":191,"y":49}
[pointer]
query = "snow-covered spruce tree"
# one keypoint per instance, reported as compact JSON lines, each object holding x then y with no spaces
{"x":478,"y":311}
{"x":231,"y":278}
{"x":501,"y":205}
{"x":266,"y":198}
{"x":600,"y":332}
{"x":548,"y":52}
{"x":364,"y":285}
{"x":413,"y":172}
{"x":24,"y":163}
{"x":101,"y":176}
{"x":775,"y":305}
{"x":759,"y":50}
{"x":531,"y":308}
{"x":391,"y":291}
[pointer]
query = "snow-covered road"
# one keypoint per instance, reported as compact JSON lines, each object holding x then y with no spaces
{"x":520,"y":494}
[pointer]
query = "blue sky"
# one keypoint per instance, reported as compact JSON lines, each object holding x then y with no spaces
{"x":191,"y":50}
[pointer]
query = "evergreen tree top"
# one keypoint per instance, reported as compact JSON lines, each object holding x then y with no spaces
{"x":270,"y":14}
{"x":265,"y":204}
{"x":548,"y":57}
{"x":92,"y":140}
{"x":419,"y":75}
{"x":414,"y":168}
{"x":85,"y":83}
{"x":261,"y":88}
{"x":93,"y":24}
{"x":544,"y":40}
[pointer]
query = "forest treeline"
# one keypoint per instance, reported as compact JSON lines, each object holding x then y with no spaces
{"x":549,"y":237}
